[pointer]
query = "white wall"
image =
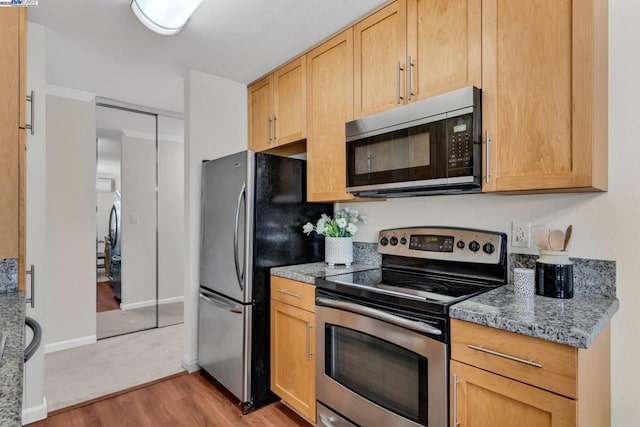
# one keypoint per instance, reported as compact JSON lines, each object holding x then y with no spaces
{"x":170,"y":219}
{"x":215,"y":125}
{"x":138,"y":267}
{"x":71,"y":220}
{"x":76,"y":63}
{"x":33,"y":401}
{"x":606,"y":225}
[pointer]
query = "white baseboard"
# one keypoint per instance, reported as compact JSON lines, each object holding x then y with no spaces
{"x":35,"y":413}
{"x":150,"y":302}
{"x":190,"y":365}
{"x":65,"y":345}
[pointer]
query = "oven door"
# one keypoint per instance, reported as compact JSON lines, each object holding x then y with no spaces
{"x":379,"y":372}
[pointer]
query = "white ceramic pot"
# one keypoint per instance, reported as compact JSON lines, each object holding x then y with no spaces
{"x":338,"y":250}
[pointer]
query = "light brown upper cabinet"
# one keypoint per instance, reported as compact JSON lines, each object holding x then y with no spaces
{"x":544,"y":97}
{"x":413,"y":49}
{"x":277,"y":107}
{"x":443,"y":46}
{"x":380,"y":45}
{"x":13,"y":26}
{"x":329,"y":107}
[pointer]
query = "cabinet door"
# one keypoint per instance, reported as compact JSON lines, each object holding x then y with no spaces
{"x":293,"y":375}
{"x":444,"y":44}
{"x":544,"y":72}
{"x":10,"y":138}
{"x":290,"y":102}
{"x":482,"y":399}
{"x":379,"y":60}
{"x":329,"y":107}
{"x":260,"y":115}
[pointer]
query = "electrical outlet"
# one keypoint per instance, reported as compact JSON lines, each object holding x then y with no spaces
{"x":521,"y":234}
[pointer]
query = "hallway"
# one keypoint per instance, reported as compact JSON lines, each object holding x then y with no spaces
{"x":110,"y":365}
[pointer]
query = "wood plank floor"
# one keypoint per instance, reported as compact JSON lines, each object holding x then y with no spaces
{"x":184,"y":400}
{"x":105,"y":300}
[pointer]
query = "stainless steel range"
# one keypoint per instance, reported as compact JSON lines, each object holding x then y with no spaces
{"x":383,"y":334}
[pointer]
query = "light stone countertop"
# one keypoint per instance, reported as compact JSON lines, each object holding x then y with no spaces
{"x":12,"y":312}
{"x":308,"y":273}
{"x":576,"y":321}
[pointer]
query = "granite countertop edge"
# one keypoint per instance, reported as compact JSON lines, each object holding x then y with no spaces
{"x":308,"y":273}
{"x":576,"y":322}
{"x":12,"y":312}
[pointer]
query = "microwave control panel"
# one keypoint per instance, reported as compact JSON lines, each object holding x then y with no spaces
{"x":460,"y":143}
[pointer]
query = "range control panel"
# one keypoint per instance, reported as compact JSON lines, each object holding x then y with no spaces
{"x":443,"y":243}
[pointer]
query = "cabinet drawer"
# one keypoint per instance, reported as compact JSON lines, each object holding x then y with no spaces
{"x":298,"y":294}
{"x":541,"y":363}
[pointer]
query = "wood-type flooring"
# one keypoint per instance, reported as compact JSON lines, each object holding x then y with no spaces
{"x":105,"y":300}
{"x":188,"y":400}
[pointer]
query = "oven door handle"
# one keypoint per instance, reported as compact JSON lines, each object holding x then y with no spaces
{"x":380,"y":315}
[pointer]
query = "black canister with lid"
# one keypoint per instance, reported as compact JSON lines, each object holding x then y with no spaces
{"x":554,"y":274}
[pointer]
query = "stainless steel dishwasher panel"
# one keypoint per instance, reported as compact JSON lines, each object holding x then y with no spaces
{"x":223,"y":342}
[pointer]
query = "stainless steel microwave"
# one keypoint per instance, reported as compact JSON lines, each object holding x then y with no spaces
{"x":427,"y":147}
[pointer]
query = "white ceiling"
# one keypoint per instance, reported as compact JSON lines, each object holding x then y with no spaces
{"x":236,"y":39}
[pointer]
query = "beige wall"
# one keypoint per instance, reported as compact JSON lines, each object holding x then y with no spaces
{"x":606,"y":225}
{"x":215,"y":125}
{"x":33,"y":399}
{"x":71,"y":220}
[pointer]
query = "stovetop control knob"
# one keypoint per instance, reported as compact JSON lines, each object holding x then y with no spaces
{"x":394,"y":240}
{"x":403,"y":240}
{"x":474,"y":246}
{"x":488,"y":248}
{"x":460,"y":244}
{"x":384,"y":241}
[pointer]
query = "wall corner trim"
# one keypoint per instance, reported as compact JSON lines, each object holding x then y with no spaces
{"x":65,"y":92}
{"x":190,"y":366}
{"x":65,"y":345}
{"x":35,"y":413}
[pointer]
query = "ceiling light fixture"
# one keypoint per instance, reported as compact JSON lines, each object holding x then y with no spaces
{"x":166,"y":17}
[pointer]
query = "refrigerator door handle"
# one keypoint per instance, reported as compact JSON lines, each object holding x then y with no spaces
{"x":212,"y":299}
{"x":239,"y":272}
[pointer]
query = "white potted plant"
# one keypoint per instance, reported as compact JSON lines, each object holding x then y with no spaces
{"x":338,"y":233}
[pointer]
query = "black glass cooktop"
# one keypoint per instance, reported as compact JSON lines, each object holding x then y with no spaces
{"x":402,"y":288}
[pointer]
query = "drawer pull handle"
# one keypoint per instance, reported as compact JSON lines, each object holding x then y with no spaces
{"x":506,"y":356}
{"x":291,"y":294}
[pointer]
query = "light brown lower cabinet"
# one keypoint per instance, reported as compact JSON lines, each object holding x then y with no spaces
{"x":484,"y":399}
{"x":502,"y":379}
{"x":293,"y":361}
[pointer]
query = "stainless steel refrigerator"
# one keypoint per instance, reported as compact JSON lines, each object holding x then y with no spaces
{"x":253,"y":209}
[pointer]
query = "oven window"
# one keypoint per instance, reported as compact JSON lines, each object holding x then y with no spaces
{"x":382,"y":372}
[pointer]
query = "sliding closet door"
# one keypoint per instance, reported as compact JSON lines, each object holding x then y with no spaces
{"x":126,"y":209}
{"x":170,"y":221}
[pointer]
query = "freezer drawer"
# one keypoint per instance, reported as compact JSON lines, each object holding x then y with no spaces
{"x":224,"y":344}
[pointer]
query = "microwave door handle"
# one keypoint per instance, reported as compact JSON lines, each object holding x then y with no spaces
{"x":239,"y":273}
{"x":380,"y":315}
